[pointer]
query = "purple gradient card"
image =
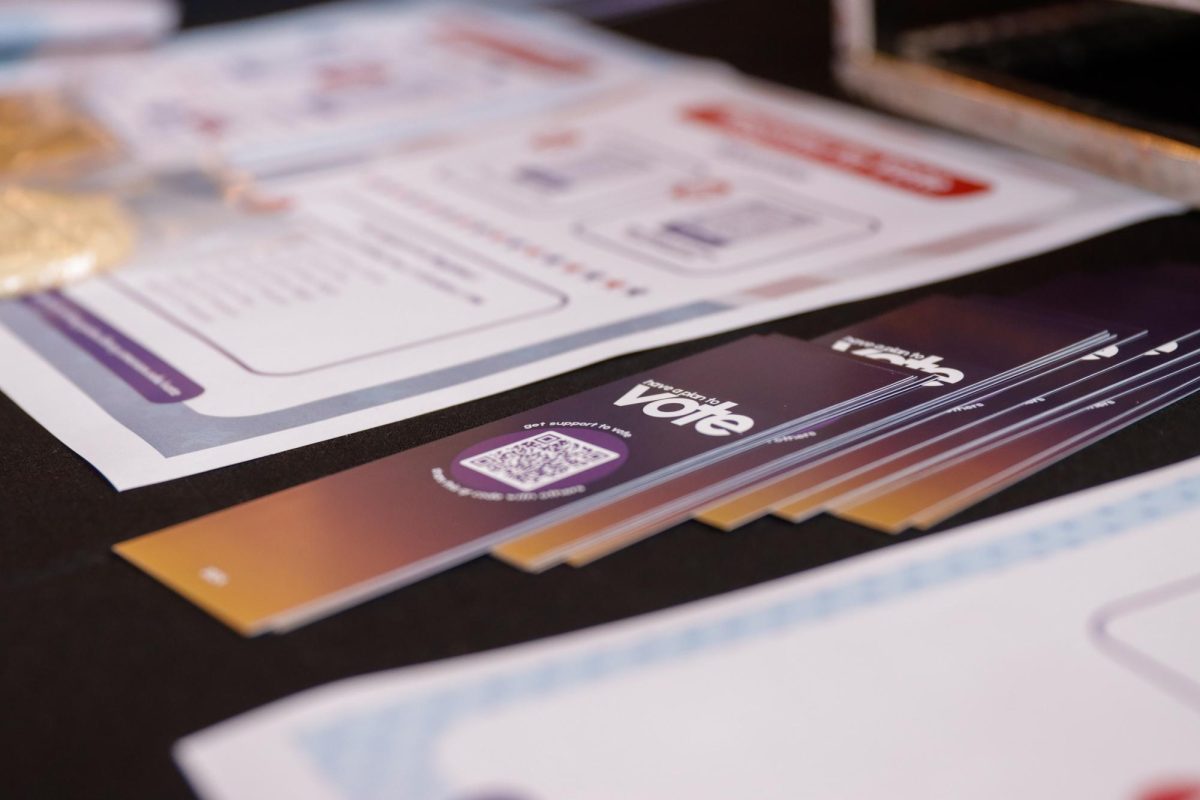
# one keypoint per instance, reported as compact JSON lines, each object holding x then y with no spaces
{"x":953,"y":485}
{"x":1172,"y":318}
{"x":1166,"y":314}
{"x":282,"y":560}
{"x":1062,"y":438}
{"x":968,"y":350}
{"x":955,"y":345}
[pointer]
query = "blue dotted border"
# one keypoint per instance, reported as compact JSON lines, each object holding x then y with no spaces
{"x":387,"y":752}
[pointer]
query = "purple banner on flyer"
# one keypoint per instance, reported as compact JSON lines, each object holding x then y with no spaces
{"x":146,"y":373}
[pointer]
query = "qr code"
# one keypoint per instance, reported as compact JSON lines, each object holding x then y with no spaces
{"x":539,"y":460}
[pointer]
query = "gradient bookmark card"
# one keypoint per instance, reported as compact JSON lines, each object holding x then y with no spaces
{"x":1167,"y":315}
{"x":988,"y":433}
{"x":291,"y":557}
{"x":959,"y":483}
{"x":889,"y":461}
{"x":622,"y":534}
{"x":986,"y":344}
{"x":995,"y":342}
{"x":1113,"y":415}
{"x":1173,"y":318}
{"x":1134,"y":305}
{"x":961,"y":322}
{"x":957,"y":346}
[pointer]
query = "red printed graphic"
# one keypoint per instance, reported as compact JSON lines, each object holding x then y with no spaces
{"x":1185,"y":790}
{"x":210,"y":125}
{"x":339,"y":77}
{"x":700,"y":188}
{"x":807,"y":142}
{"x":525,"y":52}
{"x":556,"y":140}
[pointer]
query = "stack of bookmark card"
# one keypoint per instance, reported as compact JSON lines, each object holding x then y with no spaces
{"x":896,"y":422}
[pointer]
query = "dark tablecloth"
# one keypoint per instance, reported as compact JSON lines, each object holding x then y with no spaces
{"x":103,"y":669}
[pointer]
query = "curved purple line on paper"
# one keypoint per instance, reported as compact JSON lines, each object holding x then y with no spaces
{"x":140,"y":368}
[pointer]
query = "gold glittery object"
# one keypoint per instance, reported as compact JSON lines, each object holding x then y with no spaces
{"x":50,"y":238}
{"x":40,"y":130}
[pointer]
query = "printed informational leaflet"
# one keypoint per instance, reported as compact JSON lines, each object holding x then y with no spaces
{"x":840,"y":682}
{"x":696,"y":204}
{"x":349,"y":80}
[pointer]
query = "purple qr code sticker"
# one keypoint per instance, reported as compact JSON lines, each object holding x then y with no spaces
{"x":539,"y":460}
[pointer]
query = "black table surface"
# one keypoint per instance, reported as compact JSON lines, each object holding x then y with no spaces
{"x":102,"y":668}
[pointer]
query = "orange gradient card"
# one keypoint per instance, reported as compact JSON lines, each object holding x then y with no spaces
{"x":288,"y":558}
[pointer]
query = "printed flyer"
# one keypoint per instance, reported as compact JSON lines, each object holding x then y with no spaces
{"x":698,"y":203}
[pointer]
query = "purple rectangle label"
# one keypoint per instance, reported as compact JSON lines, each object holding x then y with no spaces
{"x":146,"y":373}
